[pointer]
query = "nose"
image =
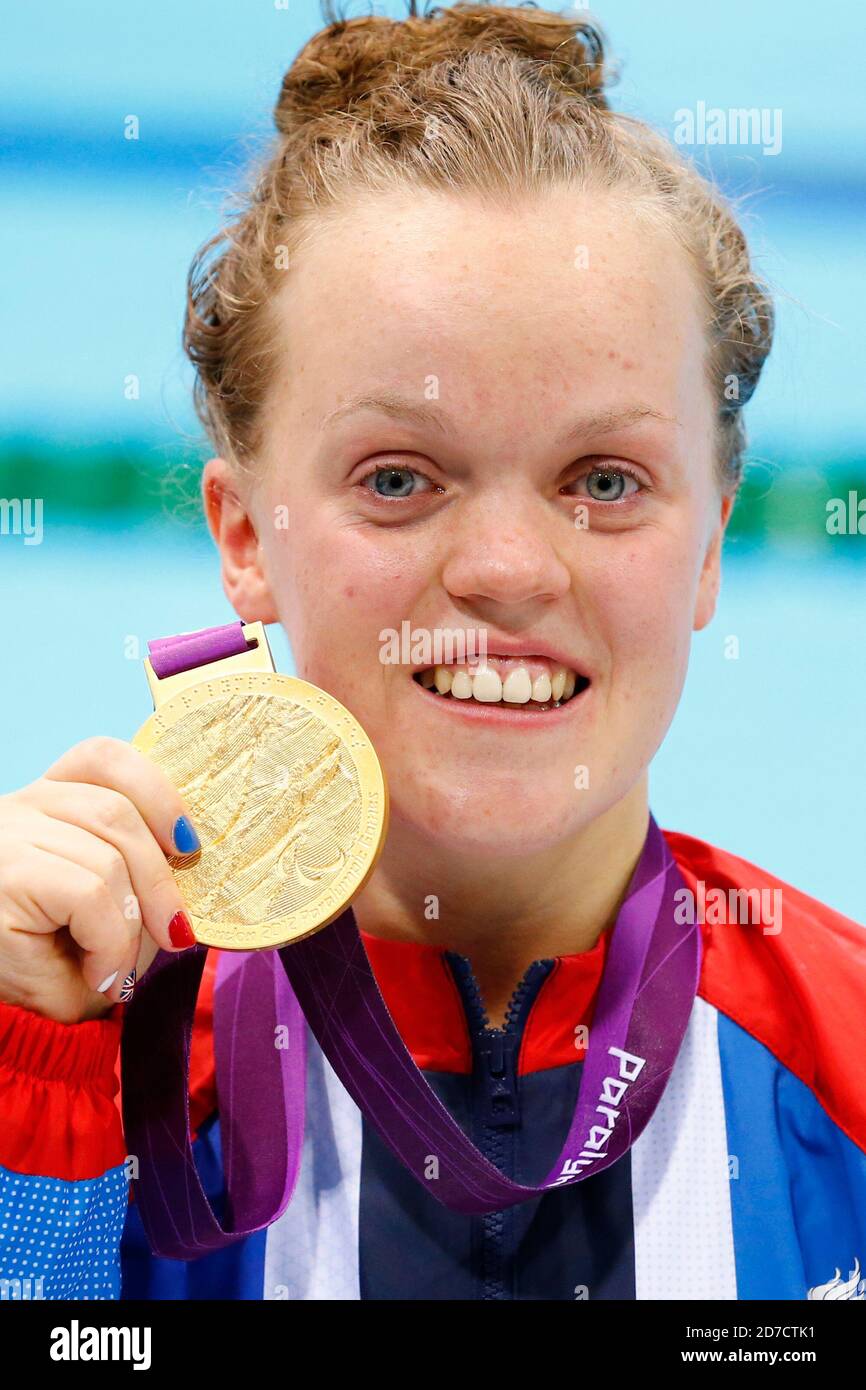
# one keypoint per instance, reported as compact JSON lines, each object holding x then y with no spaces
{"x":504,"y":550}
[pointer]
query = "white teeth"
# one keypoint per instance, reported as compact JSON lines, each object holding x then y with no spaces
{"x":541,"y":689}
{"x":517,"y":688}
{"x":513,"y":684}
{"x":487,"y":686}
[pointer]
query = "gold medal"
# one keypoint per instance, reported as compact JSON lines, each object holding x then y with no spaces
{"x":284,"y":789}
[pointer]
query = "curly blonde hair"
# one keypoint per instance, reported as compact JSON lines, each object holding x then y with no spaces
{"x":476,"y":97}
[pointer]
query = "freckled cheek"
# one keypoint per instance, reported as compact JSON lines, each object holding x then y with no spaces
{"x":337,"y":598}
{"x":645,"y":616}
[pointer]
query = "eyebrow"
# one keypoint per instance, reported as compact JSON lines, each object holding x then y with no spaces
{"x":403,"y":408}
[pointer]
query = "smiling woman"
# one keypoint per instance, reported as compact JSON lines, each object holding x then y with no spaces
{"x":473,"y":358}
{"x":482,"y":532}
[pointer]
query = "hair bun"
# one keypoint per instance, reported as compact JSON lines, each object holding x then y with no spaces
{"x":349,"y":60}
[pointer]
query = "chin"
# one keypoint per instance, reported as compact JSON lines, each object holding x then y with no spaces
{"x":490,"y":820}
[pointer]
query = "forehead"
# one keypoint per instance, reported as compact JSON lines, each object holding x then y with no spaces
{"x":507,"y":305}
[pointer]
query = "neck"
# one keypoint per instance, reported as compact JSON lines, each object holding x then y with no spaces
{"x":504,"y":913}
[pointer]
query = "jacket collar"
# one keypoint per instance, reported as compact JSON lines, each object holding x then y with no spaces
{"x":422,"y":996}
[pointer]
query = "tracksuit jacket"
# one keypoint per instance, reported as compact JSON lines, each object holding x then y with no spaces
{"x":749,"y":1181}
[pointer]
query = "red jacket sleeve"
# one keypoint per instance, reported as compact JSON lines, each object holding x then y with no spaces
{"x":58,"y":1088}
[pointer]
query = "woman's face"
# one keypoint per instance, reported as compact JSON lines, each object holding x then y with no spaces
{"x":489,"y":422}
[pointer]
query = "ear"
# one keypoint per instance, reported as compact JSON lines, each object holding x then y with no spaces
{"x":711,"y":571}
{"x":231,"y":526}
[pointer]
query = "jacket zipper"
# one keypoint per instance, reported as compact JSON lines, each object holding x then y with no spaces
{"x":495,"y":1056}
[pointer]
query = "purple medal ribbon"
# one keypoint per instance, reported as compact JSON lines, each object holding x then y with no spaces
{"x":260,"y":1001}
{"x":259,"y":1048}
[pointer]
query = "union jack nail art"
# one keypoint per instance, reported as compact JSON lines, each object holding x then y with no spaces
{"x":128,"y":987}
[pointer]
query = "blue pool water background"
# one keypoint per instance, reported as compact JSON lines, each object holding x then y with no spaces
{"x":767,"y":754}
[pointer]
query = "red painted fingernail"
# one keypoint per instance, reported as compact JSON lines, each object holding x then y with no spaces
{"x":180,"y":930}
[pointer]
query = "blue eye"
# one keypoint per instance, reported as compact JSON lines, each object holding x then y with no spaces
{"x":395,"y":482}
{"x":608,"y":484}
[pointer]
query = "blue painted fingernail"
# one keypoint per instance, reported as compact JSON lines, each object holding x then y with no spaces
{"x":185,"y":839}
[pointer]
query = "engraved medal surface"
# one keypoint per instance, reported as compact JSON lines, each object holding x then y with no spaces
{"x":286,"y":794}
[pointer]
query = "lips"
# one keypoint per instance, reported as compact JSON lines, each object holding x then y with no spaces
{"x":536,"y":682}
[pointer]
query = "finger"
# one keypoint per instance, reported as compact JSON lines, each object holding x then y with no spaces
{"x":57,"y":893}
{"x":111,"y":763}
{"x":80,"y":847}
{"x":111,"y":817}
{"x":133,"y":968}
{"x":70,"y":841}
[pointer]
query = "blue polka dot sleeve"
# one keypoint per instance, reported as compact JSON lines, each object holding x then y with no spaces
{"x":61,"y":1239}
